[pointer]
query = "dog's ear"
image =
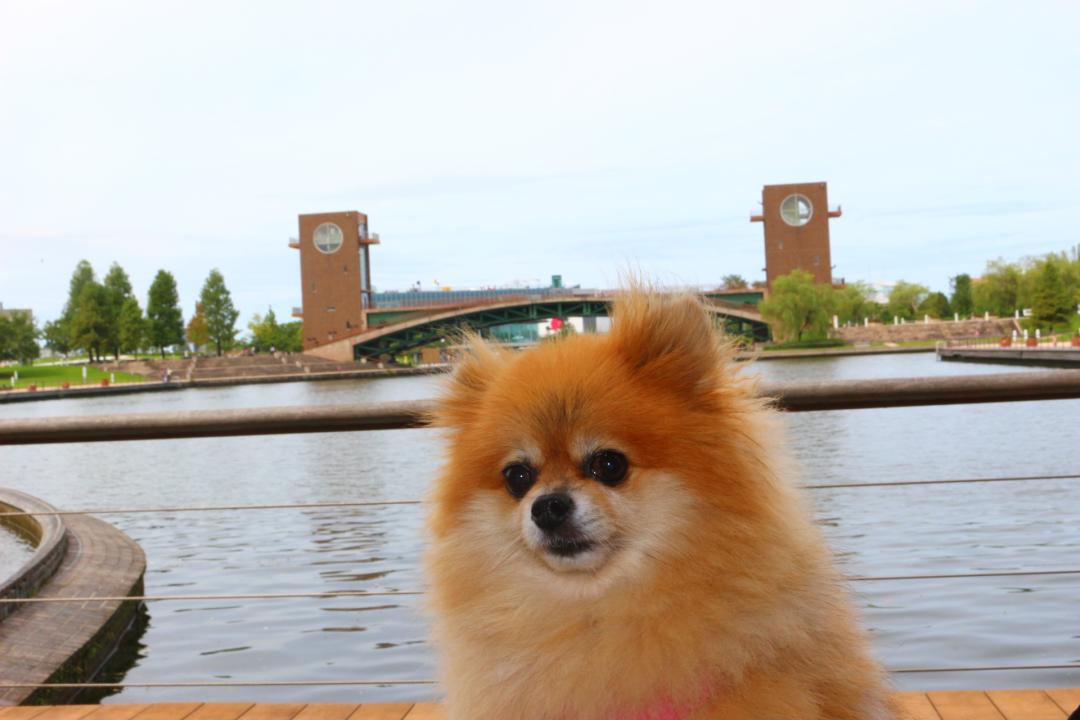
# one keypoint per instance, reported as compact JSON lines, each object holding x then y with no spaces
{"x":461,"y":399}
{"x":668,"y":338}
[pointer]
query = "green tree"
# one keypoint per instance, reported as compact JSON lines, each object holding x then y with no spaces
{"x":265,"y":332}
{"x":18,"y":338}
{"x":220,"y":313}
{"x":198,"y":333}
{"x":936,"y":305}
{"x":57,"y":337}
{"x":89,"y":326}
{"x":165,"y":321}
{"x":291,"y":337}
{"x":734,"y":282}
{"x":905,"y":298}
{"x":997,"y":291}
{"x":131,"y":327}
{"x":1052,"y":304}
{"x":851,"y":303}
{"x":797,"y":309}
{"x":62,"y":332}
{"x":961,"y":300}
{"x":117,"y":292}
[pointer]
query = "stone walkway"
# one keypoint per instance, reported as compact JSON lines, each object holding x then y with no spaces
{"x":40,"y":639}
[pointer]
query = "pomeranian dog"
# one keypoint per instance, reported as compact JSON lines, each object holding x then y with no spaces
{"x":616,"y":536}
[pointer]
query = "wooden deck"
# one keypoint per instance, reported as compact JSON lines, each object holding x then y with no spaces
{"x":969,"y":705}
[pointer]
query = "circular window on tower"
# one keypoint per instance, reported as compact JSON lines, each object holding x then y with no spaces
{"x":796,"y":210}
{"x":328,"y":238}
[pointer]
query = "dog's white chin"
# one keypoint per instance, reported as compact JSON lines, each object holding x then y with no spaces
{"x":586,"y":561}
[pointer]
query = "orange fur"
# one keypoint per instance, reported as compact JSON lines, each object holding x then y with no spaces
{"x":712,"y":588}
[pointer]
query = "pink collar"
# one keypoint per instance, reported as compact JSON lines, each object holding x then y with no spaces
{"x":664,"y":710}
{"x":667,"y":708}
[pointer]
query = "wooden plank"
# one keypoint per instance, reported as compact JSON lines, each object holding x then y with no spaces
{"x":283,"y":711}
{"x":20,"y":713}
{"x":168,"y":711}
{"x":381,"y":712}
{"x":66,"y":712}
{"x":220,"y":711}
{"x":116,"y":712}
{"x":964,"y":705}
{"x":1025,"y":705}
{"x":1068,"y":699}
{"x":426,"y":711}
{"x":915,"y":706}
{"x":327,"y":711}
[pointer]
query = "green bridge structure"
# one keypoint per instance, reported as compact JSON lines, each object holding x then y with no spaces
{"x":393,"y":331}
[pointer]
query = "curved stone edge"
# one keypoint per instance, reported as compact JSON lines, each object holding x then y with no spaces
{"x":70,"y":642}
{"x":50,"y":544}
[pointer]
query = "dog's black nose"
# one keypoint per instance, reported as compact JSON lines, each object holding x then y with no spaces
{"x":550,"y":511}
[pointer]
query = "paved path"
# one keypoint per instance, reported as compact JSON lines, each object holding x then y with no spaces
{"x":39,"y":639}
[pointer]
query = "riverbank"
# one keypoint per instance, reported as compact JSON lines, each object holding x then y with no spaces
{"x":1056,"y":357}
{"x":246,"y":374}
{"x":90,"y":391}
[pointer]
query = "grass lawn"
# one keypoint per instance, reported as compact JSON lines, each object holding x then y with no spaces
{"x":53,"y":376}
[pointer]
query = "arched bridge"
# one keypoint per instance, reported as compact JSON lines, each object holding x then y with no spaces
{"x":417,"y":331}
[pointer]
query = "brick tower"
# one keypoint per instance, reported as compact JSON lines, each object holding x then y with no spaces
{"x":335,"y":272}
{"x":796,"y":221}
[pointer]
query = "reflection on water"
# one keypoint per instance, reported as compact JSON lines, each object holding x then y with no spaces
{"x":127,"y":654}
{"x":875,"y":531}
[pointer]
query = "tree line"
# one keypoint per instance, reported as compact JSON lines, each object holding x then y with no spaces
{"x":800,"y":310}
{"x":105,"y":318}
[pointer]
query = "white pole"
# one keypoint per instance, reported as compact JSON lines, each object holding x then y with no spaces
{"x":925,"y":319}
{"x":836,"y":322}
{"x":84,"y":374}
{"x":956,"y":317}
{"x":866,"y":322}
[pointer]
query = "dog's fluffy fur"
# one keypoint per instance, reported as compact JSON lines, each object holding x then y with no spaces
{"x":707,"y":592}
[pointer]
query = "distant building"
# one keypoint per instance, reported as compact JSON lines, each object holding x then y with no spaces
{"x":879,"y":291}
{"x":335,"y":275}
{"x":796,"y":219}
{"x":11,"y":312}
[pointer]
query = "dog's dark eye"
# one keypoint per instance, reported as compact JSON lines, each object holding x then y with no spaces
{"x":607,"y":466}
{"x":519,"y":478}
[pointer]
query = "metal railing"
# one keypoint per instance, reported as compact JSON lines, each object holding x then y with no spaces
{"x":791,"y":397}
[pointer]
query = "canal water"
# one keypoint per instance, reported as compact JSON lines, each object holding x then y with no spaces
{"x":938,"y":529}
{"x":14,"y":551}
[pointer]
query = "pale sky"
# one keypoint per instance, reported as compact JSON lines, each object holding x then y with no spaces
{"x":494,"y":142}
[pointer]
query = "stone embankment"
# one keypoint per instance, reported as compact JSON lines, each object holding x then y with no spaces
{"x":54,"y":640}
{"x":200,"y":370}
{"x":933,"y":330}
